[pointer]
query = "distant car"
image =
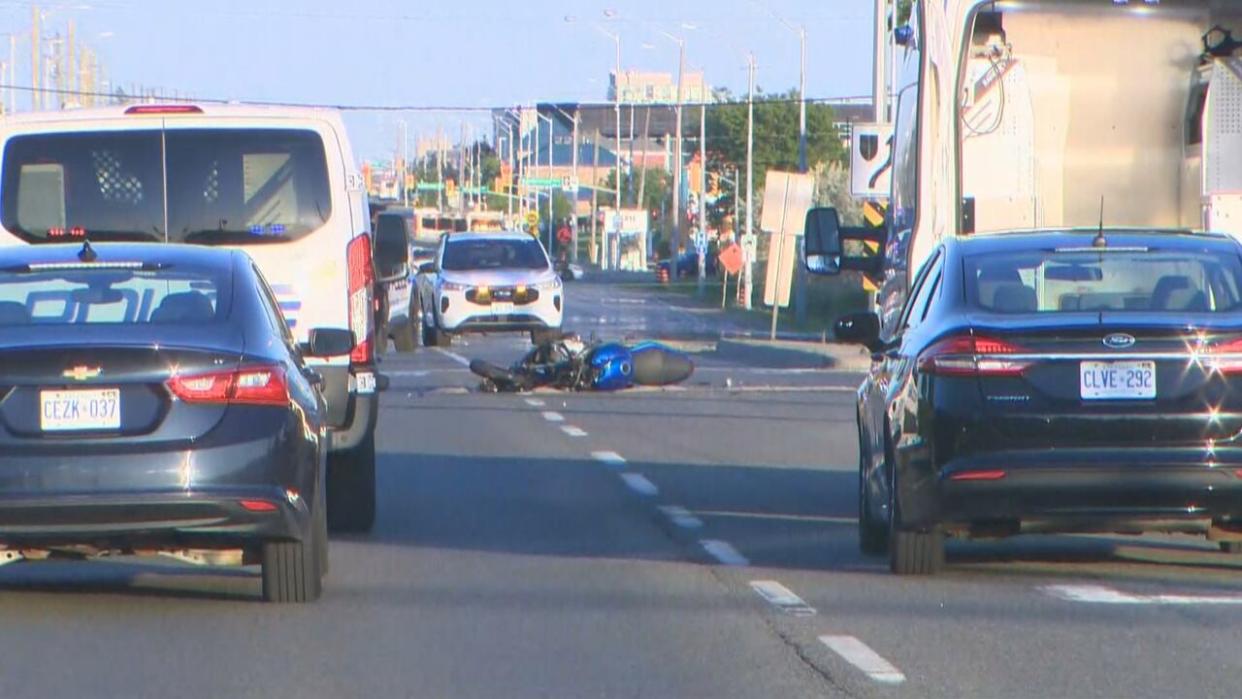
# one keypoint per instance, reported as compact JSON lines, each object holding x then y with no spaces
{"x":688,"y":265}
{"x":156,"y":400}
{"x":1053,"y":382}
{"x":489,"y":282}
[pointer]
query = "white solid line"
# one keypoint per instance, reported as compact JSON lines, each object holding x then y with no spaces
{"x":681,"y":516}
{"x":724,"y":552}
{"x":782,"y":597}
{"x":1100,"y":594}
{"x":534,"y":402}
{"x":551,"y":416}
{"x":639,"y":484}
{"x":455,"y":357}
{"x":573,"y":431}
{"x":860,"y":655}
{"x":611,"y":458}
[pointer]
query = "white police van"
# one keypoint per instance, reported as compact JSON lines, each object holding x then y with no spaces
{"x":280,"y":183}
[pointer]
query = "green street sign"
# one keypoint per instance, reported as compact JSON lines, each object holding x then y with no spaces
{"x":430,"y":186}
{"x":541,"y":181}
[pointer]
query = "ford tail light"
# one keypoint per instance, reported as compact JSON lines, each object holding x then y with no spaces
{"x":971,"y":355}
{"x":253,"y":385}
{"x":361,"y":283}
{"x":1226,"y":357}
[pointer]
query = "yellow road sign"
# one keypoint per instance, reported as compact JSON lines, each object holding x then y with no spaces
{"x":532,"y":218}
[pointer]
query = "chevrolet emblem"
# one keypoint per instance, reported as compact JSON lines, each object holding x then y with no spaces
{"x":81,"y":373}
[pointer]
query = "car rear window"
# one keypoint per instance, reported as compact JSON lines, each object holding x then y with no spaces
{"x":462,"y":255}
{"x":225,"y":186}
{"x":1069,"y":281}
{"x":113,"y":294}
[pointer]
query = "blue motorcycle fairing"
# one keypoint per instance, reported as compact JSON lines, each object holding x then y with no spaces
{"x":612,"y":367}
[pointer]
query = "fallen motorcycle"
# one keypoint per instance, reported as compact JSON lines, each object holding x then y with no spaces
{"x":570,"y":364}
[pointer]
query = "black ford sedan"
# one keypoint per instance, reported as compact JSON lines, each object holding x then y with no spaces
{"x":1054,"y":382}
{"x":152,"y":399}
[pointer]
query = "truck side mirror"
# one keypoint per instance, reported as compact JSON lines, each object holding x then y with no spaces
{"x":832,"y":249}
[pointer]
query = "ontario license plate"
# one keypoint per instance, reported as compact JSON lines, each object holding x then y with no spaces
{"x":502,"y":308}
{"x":1117,"y":380}
{"x":67,"y":411}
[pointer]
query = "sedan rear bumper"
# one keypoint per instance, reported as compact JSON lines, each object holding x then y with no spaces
{"x":202,"y":519}
{"x":1076,"y":487}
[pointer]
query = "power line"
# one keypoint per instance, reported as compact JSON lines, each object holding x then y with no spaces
{"x":345,"y":107}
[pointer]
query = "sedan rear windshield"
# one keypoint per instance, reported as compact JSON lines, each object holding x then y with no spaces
{"x":225,"y":186}
{"x":463,"y":255}
{"x":1115,"y":281}
{"x":114,"y":294}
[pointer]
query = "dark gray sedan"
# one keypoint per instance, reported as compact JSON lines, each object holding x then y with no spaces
{"x":152,"y":399}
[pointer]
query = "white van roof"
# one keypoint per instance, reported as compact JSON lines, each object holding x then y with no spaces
{"x":171,"y":111}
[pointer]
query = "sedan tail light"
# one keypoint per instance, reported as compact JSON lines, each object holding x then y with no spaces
{"x":254,"y":385}
{"x":1226,"y":357}
{"x":971,"y":355}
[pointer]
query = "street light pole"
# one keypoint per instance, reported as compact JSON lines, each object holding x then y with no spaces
{"x":802,"y":165}
{"x":616,"y":106}
{"x":702,"y":249}
{"x":747,"y":238}
{"x":676,"y":242}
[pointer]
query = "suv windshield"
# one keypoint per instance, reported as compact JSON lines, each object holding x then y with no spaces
{"x":223,"y":185}
{"x":1071,"y":281}
{"x":463,"y":255}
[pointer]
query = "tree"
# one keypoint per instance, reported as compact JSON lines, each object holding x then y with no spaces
{"x":775,"y":135}
{"x":904,"y":7}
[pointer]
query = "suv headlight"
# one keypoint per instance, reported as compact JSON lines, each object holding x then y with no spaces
{"x":553,"y":283}
{"x":453,"y":286}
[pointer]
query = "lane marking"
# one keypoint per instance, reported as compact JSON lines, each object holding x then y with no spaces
{"x":639,"y":484}
{"x":681,"y":516}
{"x":573,"y":431}
{"x":551,"y":416}
{"x":860,"y":655}
{"x":455,"y":357}
{"x":534,"y":402}
{"x":611,"y":458}
{"x":1101,"y":594}
{"x":724,"y":552}
{"x":782,"y":597}
{"x":821,"y":519}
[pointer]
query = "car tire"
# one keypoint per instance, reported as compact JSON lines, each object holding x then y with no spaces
{"x":291,"y":570}
{"x":872,"y":537}
{"x":911,"y":551}
{"x":351,"y":488}
{"x":404,"y":339}
{"x":321,"y":526}
{"x":1234,"y":547}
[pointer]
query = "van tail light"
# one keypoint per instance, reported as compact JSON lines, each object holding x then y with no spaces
{"x":164,"y":109}
{"x":361,"y":282}
{"x":252,"y":385}
{"x":1226,"y":357}
{"x":970,"y":355}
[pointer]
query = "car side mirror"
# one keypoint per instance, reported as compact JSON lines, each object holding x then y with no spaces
{"x":329,"y":342}
{"x":392,"y":249}
{"x":427,"y":268}
{"x":832,"y":249}
{"x":859,"y":329}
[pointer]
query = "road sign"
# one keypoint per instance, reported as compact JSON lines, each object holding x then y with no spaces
{"x":871,"y":161}
{"x":430,"y":186}
{"x":786,"y":198}
{"x":541,"y":182}
{"x":731,"y":258}
{"x":532,"y":218}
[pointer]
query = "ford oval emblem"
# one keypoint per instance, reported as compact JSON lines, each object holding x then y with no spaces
{"x":1118,"y":341}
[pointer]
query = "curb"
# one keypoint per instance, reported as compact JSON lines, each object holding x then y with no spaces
{"x":795,"y":355}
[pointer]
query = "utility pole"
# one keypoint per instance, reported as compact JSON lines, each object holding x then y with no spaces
{"x":512,"y":169}
{"x":642,"y":176}
{"x":36,"y":64}
{"x":616,"y":105}
{"x":879,"y":89}
{"x":573,"y":219}
{"x":461,"y":169}
{"x":71,"y":69}
{"x":747,"y":238}
{"x":593,"y":251}
{"x":800,"y":276}
{"x":702,"y":249}
{"x":676,"y":241}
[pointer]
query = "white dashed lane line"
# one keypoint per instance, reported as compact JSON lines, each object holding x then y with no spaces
{"x":573,"y":431}
{"x":782,"y":597}
{"x":455,"y":357}
{"x":638,"y":483}
{"x":610,"y":458}
{"x":724,"y":552}
{"x":1101,"y":594}
{"x":860,"y":655}
{"x":534,"y":402}
{"x":551,"y":416}
{"x":681,"y":517}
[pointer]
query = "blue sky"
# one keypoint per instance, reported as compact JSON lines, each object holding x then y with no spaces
{"x":465,"y":54}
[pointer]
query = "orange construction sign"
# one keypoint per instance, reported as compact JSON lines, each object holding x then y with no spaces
{"x":731,"y":258}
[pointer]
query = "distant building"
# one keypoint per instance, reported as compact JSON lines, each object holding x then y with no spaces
{"x":639,"y":87}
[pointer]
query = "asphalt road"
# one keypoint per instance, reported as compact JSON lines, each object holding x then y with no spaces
{"x":688,"y":543}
